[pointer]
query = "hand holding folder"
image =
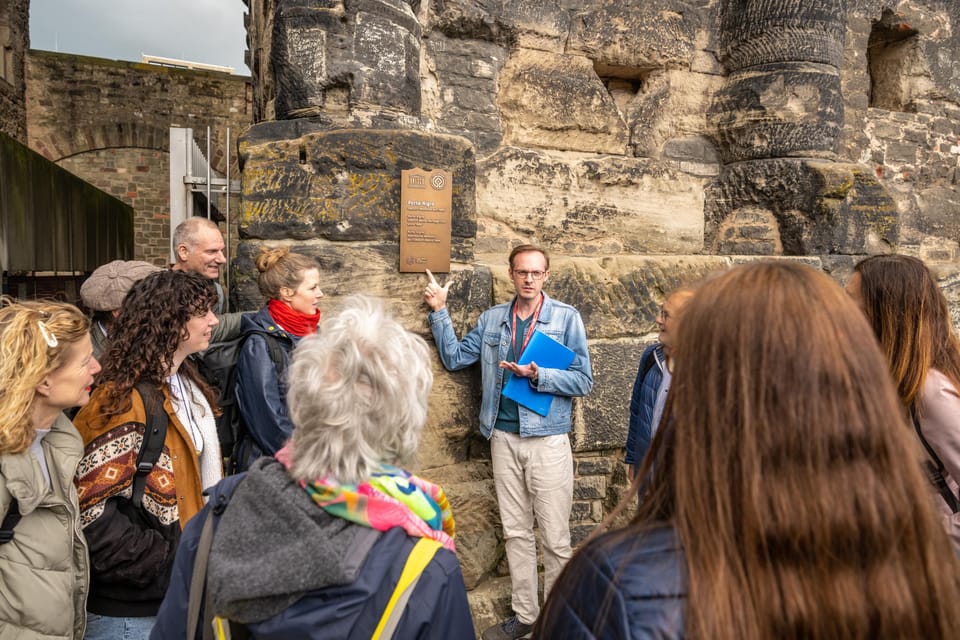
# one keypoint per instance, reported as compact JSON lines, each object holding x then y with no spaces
{"x":546,"y":353}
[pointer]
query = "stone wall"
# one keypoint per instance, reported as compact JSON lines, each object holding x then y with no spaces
{"x":14,"y":42}
{"x":644,"y":143}
{"x":108,"y":122}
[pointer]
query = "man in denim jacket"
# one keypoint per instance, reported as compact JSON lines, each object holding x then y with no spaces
{"x":532,"y":462}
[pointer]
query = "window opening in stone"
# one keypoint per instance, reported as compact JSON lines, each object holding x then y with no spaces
{"x":898,"y":69}
{"x":623,"y":83}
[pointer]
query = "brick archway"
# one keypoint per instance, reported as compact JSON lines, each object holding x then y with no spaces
{"x":119,"y":135}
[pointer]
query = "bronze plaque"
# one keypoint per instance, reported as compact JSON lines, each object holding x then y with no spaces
{"x":426,"y":199}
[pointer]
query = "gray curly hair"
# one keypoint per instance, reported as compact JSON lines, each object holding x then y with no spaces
{"x":357,"y":394}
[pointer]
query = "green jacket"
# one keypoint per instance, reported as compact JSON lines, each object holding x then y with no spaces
{"x":44,"y":570}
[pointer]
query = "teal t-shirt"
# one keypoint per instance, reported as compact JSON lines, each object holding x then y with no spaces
{"x":508,"y":418}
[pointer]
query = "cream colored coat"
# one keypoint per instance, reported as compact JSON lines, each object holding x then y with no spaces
{"x":44,"y":570}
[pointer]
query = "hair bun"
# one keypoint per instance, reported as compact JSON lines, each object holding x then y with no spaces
{"x":268,"y":257}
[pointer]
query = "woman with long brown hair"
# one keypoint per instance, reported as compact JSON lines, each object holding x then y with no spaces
{"x":133,"y":522}
{"x":46,"y":366}
{"x":911,"y":320}
{"x":779,"y":502}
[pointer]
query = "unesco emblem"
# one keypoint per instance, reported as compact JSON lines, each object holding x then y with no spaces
{"x":437,"y":181}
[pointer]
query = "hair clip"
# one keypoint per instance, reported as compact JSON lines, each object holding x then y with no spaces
{"x":48,"y":336}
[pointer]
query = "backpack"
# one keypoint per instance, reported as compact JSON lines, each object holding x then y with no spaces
{"x":217,"y":628}
{"x":218,"y":366}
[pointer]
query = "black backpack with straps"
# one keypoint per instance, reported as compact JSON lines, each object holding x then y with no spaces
{"x":218,"y":366}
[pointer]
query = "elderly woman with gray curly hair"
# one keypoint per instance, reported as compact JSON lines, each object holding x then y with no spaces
{"x":331,"y":538}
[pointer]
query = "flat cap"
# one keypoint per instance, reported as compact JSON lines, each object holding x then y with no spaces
{"x":108,"y":284}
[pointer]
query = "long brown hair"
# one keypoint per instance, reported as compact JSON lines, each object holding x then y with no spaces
{"x":911,"y":320}
{"x":27,"y":330}
{"x":786,"y":470}
{"x":150,"y":328}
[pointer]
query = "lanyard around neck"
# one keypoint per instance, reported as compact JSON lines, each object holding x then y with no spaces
{"x":532,"y":326}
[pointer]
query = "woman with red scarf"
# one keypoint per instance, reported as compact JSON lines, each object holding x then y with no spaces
{"x":291,"y":282}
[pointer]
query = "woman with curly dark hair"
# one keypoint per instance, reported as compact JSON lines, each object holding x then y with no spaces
{"x":132,"y":523}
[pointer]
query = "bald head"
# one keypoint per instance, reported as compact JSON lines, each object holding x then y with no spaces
{"x":198,"y":247}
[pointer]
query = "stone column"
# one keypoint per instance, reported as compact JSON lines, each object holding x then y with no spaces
{"x":330,"y":56}
{"x":778,"y":121}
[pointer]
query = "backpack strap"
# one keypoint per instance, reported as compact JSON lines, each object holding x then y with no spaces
{"x":10,"y":520}
{"x":154,"y":434}
{"x":417,"y":561}
{"x":198,"y":579}
{"x":934,"y":467}
{"x":214,"y":627}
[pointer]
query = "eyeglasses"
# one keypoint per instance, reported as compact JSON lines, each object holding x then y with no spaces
{"x":536,"y":275}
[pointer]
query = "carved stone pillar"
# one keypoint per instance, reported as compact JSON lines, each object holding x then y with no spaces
{"x":778,"y":121}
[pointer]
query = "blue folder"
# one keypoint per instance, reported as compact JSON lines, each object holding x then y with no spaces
{"x":547,"y":353}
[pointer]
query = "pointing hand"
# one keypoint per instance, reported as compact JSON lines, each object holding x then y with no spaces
{"x":434,"y":294}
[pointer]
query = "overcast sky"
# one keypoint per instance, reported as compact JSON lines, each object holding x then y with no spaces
{"x":209,"y":31}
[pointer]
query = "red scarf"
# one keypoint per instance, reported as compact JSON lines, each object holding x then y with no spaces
{"x":291,"y":320}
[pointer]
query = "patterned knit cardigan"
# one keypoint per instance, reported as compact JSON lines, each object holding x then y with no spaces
{"x":131,"y":550}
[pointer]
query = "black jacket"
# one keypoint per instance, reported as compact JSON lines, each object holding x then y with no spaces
{"x":261,"y":395}
{"x":621,"y":586}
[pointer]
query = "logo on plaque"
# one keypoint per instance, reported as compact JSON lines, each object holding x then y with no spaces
{"x":425,"y":220}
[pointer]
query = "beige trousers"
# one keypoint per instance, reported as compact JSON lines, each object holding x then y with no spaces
{"x":534,"y":479}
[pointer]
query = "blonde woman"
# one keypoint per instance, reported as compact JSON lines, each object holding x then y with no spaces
{"x":46,"y":366}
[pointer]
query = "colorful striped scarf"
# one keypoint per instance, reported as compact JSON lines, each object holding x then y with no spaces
{"x":392,"y":497}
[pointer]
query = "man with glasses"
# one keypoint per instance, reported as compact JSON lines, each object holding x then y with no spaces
{"x":532,"y":461}
{"x":653,"y":382}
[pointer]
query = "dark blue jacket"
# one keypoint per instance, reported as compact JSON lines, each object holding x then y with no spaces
{"x":437,"y":609}
{"x":623,"y":586}
{"x":642,"y":402}
{"x":261,"y":396}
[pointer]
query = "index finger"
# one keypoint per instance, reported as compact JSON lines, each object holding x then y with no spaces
{"x":430,"y":275}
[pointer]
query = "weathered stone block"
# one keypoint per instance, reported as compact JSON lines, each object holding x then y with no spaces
{"x":345,"y":184}
{"x":479,"y":537}
{"x":749,"y":231}
{"x":588,"y":205}
{"x":672,"y":104}
{"x":558,"y":101}
{"x":589,"y":488}
{"x":820,"y":207}
{"x":461,"y":91}
{"x":594,"y":466}
{"x":795,"y":111}
{"x":370,"y":50}
{"x":637,"y":35}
